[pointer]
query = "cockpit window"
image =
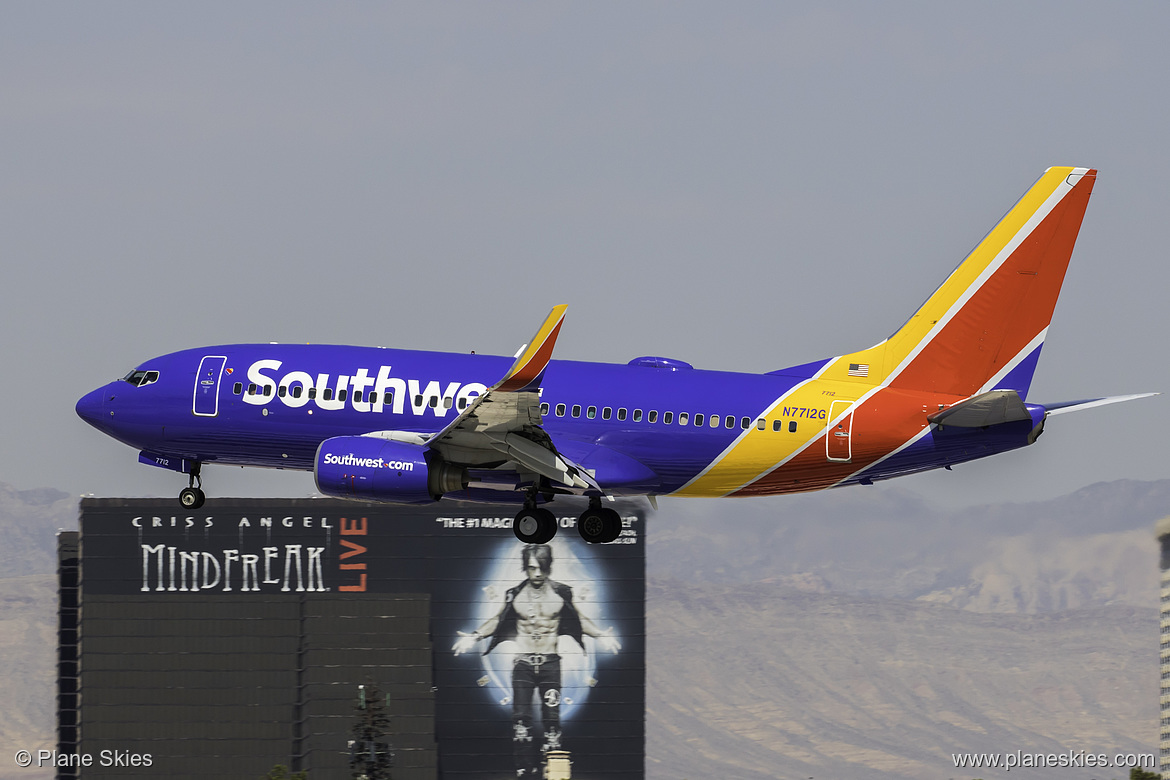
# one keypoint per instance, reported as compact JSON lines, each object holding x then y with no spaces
{"x":141,"y":378}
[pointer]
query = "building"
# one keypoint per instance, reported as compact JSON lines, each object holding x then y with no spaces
{"x":224,"y":642}
{"x":1163,"y":533}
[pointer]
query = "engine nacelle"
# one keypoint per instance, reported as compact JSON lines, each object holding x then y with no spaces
{"x":382,"y":470}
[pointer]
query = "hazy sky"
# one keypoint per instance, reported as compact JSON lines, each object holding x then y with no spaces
{"x":744,"y":186}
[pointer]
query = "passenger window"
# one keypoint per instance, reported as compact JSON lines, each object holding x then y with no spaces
{"x":252,"y":389}
{"x":282,"y":391}
{"x":637,"y":415}
{"x":463,"y":403}
{"x":237,"y":388}
{"x":267,"y":390}
{"x":776,"y":425}
{"x":576,"y":410}
{"x":357,"y":396}
{"x":312,"y":393}
{"x":667,"y":418}
{"x":544,"y":408}
{"x":699,"y":421}
{"x":792,"y":426}
{"x":373,"y":397}
{"x":591,"y":412}
{"x":298,"y":391}
{"x":652,"y":416}
{"x":448,"y":402}
{"x":606,"y":412}
{"x":745,"y":422}
{"x":328,"y":394}
{"x":683,"y":418}
{"x":418,"y":400}
{"x":621,"y":412}
{"x":342,"y":394}
{"x":714,"y":421}
{"x":560,"y":410}
{"x":761,"y":424}
{"x":729,"y":421}
{"x":434,"y":402}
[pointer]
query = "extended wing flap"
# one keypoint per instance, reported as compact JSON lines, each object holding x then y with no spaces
{"x":504,"y":423}
{"x":542,"y":460}
{"x":979,"y":411}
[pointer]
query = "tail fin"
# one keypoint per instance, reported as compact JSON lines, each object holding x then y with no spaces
{"x":983,"y":328}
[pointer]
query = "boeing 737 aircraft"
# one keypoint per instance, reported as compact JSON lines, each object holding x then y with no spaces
{"x":411,"y":427}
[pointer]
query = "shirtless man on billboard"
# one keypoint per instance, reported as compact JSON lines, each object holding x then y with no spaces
{"x":536,"y":613}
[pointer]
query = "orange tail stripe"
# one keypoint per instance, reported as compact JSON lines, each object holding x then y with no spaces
{"x":531,"y":370}
{"x":1007,"y":311}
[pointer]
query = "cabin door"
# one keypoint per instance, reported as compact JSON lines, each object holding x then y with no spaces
{"x":206,"y":403}
{"x":838,"y":437}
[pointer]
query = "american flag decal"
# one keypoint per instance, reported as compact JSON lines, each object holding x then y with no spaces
{"x":859,"y":369}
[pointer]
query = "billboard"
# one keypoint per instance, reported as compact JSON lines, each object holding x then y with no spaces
{"x":501,"y":660}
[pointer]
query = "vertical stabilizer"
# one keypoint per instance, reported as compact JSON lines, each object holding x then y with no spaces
{"x":983,"y":328}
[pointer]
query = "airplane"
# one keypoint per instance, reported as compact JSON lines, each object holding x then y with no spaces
{"x":405,"y":426}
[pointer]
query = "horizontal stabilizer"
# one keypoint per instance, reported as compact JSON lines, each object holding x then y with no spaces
{"x":1089,"y":403}
{"x":979,"y":411}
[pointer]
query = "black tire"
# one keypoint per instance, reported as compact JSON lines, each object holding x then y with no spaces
{"x":191,"y":498}
{"x":599,"y":526}
{"x":535,"y":526}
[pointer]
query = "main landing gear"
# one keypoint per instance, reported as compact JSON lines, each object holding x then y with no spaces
{"x":192,"y":496}
{"x":597,"y":524}
{"x":534,"y":525}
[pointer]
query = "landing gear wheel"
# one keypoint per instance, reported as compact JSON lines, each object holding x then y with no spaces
{"x":535,"y":526}
{"x":599,"y":525}
{"x":191,"y":498}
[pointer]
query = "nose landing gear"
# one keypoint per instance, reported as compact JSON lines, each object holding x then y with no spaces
{"x":192,"y":496}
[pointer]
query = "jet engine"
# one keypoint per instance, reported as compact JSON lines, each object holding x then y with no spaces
{"x":375,"y":469}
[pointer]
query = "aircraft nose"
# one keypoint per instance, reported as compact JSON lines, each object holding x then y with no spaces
{"x":89,"y":408}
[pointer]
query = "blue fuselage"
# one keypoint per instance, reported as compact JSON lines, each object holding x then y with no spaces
{"x":647,"y":428}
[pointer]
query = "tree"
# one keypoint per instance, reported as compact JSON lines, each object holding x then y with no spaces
{"x":280,"y":772}
{"x":370,"y":755}
{"x":1140,"y":774}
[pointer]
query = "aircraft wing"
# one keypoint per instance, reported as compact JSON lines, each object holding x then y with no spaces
{"x":504,"y":423}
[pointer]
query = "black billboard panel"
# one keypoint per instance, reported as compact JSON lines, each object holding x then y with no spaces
{"x":254,"y":621}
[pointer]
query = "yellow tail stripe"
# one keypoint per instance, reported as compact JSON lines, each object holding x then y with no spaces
{"x":757,"y":452}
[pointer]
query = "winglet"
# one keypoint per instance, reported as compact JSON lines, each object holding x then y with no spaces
{"x":526,"y":373}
